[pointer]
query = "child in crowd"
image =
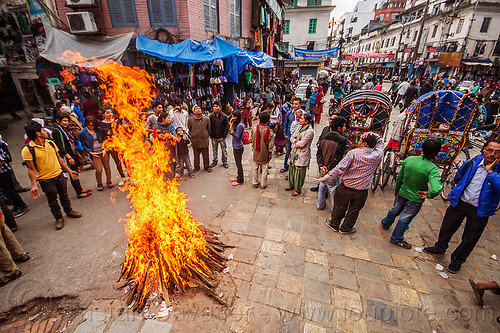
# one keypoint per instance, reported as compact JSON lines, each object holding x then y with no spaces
{"x":182,"y":153}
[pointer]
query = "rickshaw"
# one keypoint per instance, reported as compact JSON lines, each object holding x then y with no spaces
{"x":366,"y":111}
{"x":446,"y":115}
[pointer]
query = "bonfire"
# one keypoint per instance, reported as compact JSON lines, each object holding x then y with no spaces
{"x":168,"y":251}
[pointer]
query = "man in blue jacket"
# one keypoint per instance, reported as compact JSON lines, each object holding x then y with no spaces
{"x":287,"y":122}
{"x":475,"y":197}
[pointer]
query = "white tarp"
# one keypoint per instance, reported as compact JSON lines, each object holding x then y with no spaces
{"x":93,"y":51}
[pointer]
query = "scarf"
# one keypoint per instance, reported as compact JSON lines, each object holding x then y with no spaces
{"x":257,"y":136}
{"x":68,"y":136}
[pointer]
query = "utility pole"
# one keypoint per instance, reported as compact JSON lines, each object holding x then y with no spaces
{"x":420,"y":31}
{"x":473,"y":18}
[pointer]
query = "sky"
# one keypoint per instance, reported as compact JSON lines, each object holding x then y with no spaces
{"x":342,"y":6}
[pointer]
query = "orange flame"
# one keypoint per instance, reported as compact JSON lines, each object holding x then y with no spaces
{"x":68,"y":78}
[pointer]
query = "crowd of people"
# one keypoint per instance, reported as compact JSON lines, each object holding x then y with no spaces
{"x":274,"y":124}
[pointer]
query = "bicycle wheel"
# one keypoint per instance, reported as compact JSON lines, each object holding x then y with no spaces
{"x":386,"y":170}
{"x":448,"y":180}
{"x":376,"y":178}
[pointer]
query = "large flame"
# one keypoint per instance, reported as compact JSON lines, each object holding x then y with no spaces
{"x":167,"y":247}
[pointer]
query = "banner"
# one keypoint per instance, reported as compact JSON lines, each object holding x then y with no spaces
{"x":369,"y":55}
{"x":320,"y":54}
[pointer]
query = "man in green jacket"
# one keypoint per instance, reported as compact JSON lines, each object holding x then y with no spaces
{"x":412,"y":189}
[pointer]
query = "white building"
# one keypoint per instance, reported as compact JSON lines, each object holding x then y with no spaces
{"x":359,"y":17}
{"x":306,"y":24}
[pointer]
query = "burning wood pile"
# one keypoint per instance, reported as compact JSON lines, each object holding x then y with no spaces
{"x":168,"y":251}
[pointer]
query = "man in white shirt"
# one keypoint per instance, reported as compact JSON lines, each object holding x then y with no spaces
{"x":179,"y":116}
{"x":401,"y":91}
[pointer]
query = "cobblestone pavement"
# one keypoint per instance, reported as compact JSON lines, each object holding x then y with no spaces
{"x":291,"y":273}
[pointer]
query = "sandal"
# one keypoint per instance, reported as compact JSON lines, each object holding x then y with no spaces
{"x":477,"y":293}
{"x":236,"y":183}
{"x":295,"y":193}
{"x":288,"y":188}
{"x":283,"y":170}
{"x":86,"y":191}
{"x":25,"y":257}
{"x":6,"y":279}
{"x":234,"y":179}
{"x":83,"y":195}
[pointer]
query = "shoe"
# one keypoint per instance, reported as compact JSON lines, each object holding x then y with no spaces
{"x":236,"y":183}
{"x":328,"y":224}
{"x":21,"y":211}
{"x":234,"y":179}
{"x":453,"y":268}
{"x":83,"y":195}
{"x":317,"y":208}
{"x":208,"y":169}
{"x":74,"y":214}
{"x":352,"y":231}
{"x":263,"y":187}
{"x":477,"y":293}
{"x":289,"y":188}
{"x":109,"y":185}
{"x":225,"y":165}
{"x":191,"y":176}
{"x":86,"y":191}
{"x":100,"y":187}
{"x":315,"y":189}
{"x":6,"y":279}
{"x":384,"y":226}
{"x":403,"y":244}
{"x":214,"y":163}
{"x":196,"y":170}
{"x":121,"y":182}
{"x":25,"y":257}
{"x":433,"y":250}
{"x":256,"y":185}
{"x":59,"y":224}
{"x":283,"y":170}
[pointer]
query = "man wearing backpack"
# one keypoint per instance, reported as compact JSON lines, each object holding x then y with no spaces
{"x":44,"y":164}
{"x":475,"y":197}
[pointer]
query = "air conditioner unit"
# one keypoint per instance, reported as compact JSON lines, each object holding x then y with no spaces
{"x":81,"y":22}
{"x":80,"y":2}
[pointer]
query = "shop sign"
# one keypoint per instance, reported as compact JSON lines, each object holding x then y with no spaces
{"x":369,"y":55}
{"x":450,"y":59}
{"x":431,"y":49}
{"x":408,"y":49}
{"x":54,"y":81}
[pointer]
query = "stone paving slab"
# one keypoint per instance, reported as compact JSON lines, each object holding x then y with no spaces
{"x":153,"y":326}
{"x":125,"y":323}
{"x":94,"y":322}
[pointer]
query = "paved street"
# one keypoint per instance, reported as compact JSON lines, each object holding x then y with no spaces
{"x":290,"y":272}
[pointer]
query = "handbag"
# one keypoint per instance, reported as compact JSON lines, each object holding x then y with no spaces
{"x":323,"y":100}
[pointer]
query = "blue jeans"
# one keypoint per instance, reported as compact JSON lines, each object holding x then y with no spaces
{"x":288,"y":149}
{"x":406,"y":210}
{"x":223,"y":148}
{"x":323,"y":188}
{"x":184,"y":161}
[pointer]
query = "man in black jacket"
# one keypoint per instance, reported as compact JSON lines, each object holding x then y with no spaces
{"x":219,"y":129}
{"x":331,"y":149}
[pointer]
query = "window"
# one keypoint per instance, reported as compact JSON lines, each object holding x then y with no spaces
{"x":285,"y":46}
{"x":286,"y":27}
{"x":459,"y":26}
{"x":496,"y":51}
{"x":486,"y":24}
{"x":294,"y":3}
{"x":415,"y":35}
{"x":162,"y":13}
{"x":349,"y":31}
{"x":479,"y":49}
{"x":434,"y":31}
{"x":354,"y":19}
{"x":435,"y":10}
{"x":393,"y":41}
{"x":211,"y":14}
{"x":123,"y":14}
{"x":312,"y":25}
{"x":310,"y":45}
{"x":235,"y":17}
{"x":313,"y":3}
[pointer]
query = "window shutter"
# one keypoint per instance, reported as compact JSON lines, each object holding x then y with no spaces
{"x":206,"y":13}
{"x":214,"y":16}
{"x":162,"y":13}
{"x":155,"y":13}
{"x":237,"y":17}
{"x":130,"y":13}
{"x":232,"y":18}
{"x":123,"y":13}
{"x":170,"y":13}
{"x":115,"y":10}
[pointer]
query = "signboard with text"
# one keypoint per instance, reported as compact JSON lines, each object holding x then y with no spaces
{"x":369,"y":55}
{"x":319,"y":54}
{"x":450,"y":59}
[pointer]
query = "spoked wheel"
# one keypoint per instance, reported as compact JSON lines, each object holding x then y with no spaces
{"x":386,"y":170}
{"x":448,"y":180}
{"x":376,"y":178}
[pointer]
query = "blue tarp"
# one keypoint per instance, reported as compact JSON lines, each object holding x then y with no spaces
{"x":235,"y":64}
{"x":187,"y":51}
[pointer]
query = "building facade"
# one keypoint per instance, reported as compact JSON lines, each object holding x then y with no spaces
{"x":306,"y":25}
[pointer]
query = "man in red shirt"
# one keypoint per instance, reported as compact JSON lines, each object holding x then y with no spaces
{"x":90,"y":107}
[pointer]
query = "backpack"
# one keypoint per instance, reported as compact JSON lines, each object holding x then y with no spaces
{"x":31,"y":149}
{"x":246,"y":138}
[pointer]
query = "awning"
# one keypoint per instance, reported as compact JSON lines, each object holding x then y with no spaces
{"x":475,"y":63}
{"x":235,"y":64}
{"x":85,"y":51}
{"x":187,"y":51}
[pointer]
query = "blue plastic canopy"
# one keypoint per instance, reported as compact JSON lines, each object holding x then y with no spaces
{"x":187,"y":51}
{"x":235,"y":64}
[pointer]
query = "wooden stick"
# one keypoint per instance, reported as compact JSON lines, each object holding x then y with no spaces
{"x":201,"y":277}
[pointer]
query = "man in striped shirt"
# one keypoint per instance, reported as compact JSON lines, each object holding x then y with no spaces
{"x":356,"y":170}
